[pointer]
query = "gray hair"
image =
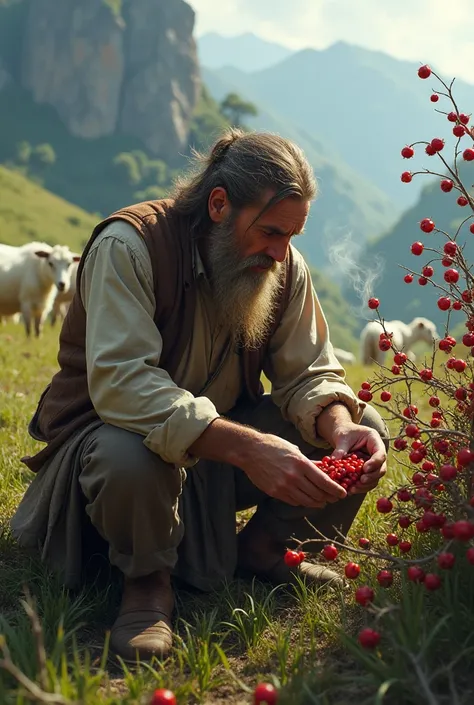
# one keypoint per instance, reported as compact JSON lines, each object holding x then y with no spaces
{"x":246,"y":165}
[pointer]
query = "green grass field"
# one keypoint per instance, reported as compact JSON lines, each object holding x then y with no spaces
{"x":299,"y":639}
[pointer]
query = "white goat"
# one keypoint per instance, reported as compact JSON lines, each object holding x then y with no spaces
{"x":344,"y":356}
{"x":63,"y":299}
{"x":29,"y":277}
{"x":403,"y":338}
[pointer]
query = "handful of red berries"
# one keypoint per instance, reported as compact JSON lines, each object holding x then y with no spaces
{"x":345,"y":471}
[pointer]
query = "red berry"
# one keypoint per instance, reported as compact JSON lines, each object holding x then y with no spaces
{"x":400,"y":358}
{"x":448,"y":531}
{"x":444,"y":303}
{"x":460,"y":394}
{"x":352,"y":570}
{"x":452,"y":117}
{"x":404,"y":495}
{"x":418,"y":478}
{"x":385,"y":344}
{"x":459,"y":131}
{"x":459,"y":365}
{"x":446,"y":185}
{"x":163,"y":696}
{"x":364,"y":395}
{"x":464,"y":118}
{"x":415,"y":574}
{"x":302,"y":556}
{"x":467,"y":294}
{"x":404,"y":520}
{"x":400,"y":444}
{"x":392,"y":539}
{"x":407,"y":152}
{"x":406,"y":177}
{"x":430,"y":151}
{"x":424,"y":71}
{"x":468,"y":340}
{"x":471,"y":228}
{"x":434,"y":97}
{"x":364,"y":595}
{"x":450,"y":248}
{"x":437,"y":144}
{"x":457,"y":306}
{"x":365,"y":385}
{"x":385,"y":396}
{"x":462,"y":201}
{"x":373,"y":303}
{"x":404,"y":546}
{"x":396,"y":370}
{"x":364,"y":543}
{"x":434,"y":401}
{"x":463,"y":530}
{"x":432,"y":581}
{"x":417,"y":248}
{"x":292,"y":559}
{"x":427,"y":271}
{"x":447,"y":472}
{"x":384,"y":505}
{"x":410,"y":411}
{"x":426,"y":374}
{"x":427,"y":225}
{"x":330,"y":552}
{"x":468,"y":155}
{"x":416,"y":457}
{"x":422,"y":281}
{"x":446,"y":560}
{"x":464,"y":456}
{"x":451,"y":276}
{"x":385,"y":578}
{"x":446,"y":261}
{"x":470,"y":555}
{"x":408,"y":278}
{"x":369,"y":638}
{"x":265,"y":693}
{"x":412,"y":431}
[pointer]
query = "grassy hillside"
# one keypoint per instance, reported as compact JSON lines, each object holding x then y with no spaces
{"x":29,"y":212}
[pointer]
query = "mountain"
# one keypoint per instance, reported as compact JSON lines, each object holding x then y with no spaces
{"x":29,"y":212}
{"x":348,"y":203}
{"x":246,"y":52}
{"x":362,"y":104}
{"x":405,"y":301}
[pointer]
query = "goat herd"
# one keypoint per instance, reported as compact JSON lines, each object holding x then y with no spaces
{"x":39,"y":280}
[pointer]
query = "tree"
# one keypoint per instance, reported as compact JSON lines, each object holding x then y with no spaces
{"x":234,"y":108}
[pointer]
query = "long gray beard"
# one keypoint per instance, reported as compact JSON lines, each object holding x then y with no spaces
{"x":245,"y":300}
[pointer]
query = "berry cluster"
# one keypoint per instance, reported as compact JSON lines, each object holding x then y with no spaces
{"x":345,"y":471}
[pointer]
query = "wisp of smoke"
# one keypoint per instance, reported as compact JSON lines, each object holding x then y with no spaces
{"x":352,"y":267}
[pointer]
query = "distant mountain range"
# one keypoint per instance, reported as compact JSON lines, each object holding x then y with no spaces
{"x":246,"y":52}
{"x":363,"y":105}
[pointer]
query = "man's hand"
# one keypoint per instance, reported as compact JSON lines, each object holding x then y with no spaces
{"x":280,"y":469}
{"x":351,"y":437}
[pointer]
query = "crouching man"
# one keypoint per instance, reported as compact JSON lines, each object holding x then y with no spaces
{"x":156,"y":426}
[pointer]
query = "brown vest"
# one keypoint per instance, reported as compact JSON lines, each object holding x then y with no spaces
{"x":65,"y":406}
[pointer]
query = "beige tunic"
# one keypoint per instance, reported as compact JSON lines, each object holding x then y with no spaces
{"x":123,"y":347}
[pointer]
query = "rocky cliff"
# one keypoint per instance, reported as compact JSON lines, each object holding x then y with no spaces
{"x":108,"y":67}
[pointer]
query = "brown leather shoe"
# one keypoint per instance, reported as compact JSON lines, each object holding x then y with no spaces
{"x":143,"y":627}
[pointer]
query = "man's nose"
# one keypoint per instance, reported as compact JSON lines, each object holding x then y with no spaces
{"x":278,"y":250}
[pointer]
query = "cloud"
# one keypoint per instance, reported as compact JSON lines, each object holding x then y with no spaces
{"x":422,"y":31}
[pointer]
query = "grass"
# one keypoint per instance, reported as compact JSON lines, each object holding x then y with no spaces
{"x":300,"y":639}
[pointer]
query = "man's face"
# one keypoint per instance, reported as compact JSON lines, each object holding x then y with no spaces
{"x":245,"y":261}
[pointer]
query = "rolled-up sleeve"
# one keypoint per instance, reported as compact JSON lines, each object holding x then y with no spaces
{"x":123,"y":347}
{"x":302,"y":367}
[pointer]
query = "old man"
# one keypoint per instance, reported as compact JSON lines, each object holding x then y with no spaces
{"x":156,"y":426}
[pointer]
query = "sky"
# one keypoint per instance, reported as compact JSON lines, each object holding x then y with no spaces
{"x":438,"y":32}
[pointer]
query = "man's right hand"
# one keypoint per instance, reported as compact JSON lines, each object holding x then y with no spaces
{"x":280,"y":469}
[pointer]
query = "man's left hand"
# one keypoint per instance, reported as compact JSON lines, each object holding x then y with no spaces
{"x":351,"y":437}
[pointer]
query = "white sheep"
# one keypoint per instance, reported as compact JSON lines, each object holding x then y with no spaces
{"x":403,"y":338}
{"x":344,"y":356}
{"x":63,"y":299}
{"x":29,"y":277}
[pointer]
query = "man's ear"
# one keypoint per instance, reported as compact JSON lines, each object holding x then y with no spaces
{"x":218,"y":204}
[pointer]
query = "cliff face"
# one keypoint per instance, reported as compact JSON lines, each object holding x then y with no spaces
{"x":104,"y":71}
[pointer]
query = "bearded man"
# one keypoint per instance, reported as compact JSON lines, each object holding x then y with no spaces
{"x":156,"y":426}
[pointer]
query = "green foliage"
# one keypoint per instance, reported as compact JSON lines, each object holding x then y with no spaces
{"x":207,"y":122}
{"x":235,"y":109}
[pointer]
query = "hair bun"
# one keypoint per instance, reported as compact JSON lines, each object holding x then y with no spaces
{"x":222,"y":145}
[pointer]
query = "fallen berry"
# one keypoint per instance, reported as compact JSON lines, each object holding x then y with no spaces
{"x":163,"y":696}
{"x":352,"y":570}
{"x":292,"y":559}
{"x":265,"y":693}
{"x":364,"y":595}
{"x":330,"y":552}
{"x":369,"y":638}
